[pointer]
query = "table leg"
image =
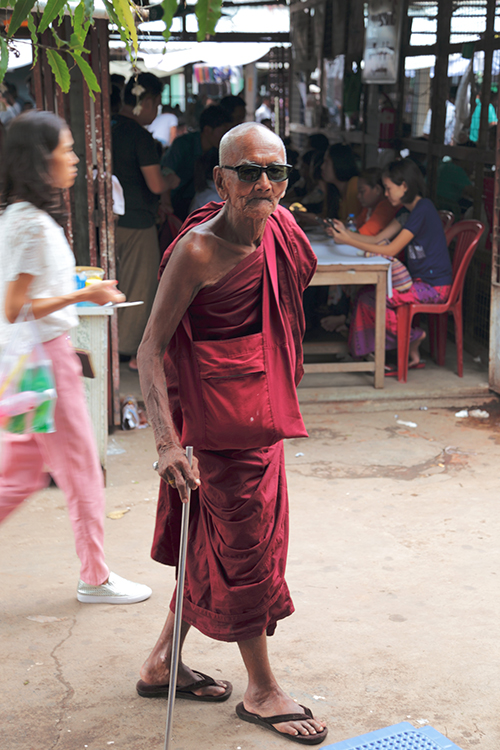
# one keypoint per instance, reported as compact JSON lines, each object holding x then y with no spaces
{"x":380,"y":305}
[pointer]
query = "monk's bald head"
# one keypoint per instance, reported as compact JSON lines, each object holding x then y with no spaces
{"x":237,"y":143}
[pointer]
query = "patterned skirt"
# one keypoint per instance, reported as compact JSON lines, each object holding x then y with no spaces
{"x":362,"y":328}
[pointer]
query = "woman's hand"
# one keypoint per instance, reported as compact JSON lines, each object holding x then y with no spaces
{"x":173,"y":467}
{"x":102,"y":292}
{"x":340,"y":234}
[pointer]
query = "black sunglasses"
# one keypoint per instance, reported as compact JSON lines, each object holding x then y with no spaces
{"x":252,"y":172}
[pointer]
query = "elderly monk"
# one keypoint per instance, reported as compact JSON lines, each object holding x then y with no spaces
{"x":224,"y":339}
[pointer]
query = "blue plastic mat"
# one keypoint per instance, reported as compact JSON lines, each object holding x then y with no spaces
{"x":402,"y":736}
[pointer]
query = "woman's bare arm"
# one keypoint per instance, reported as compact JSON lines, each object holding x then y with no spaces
{"x":390,"y":231}
{"x":345,"y":237}
{"x":18,"y":295}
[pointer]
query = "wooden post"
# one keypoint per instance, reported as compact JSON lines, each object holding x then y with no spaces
{"x":439,"y":91}
{"x":89,"y":175}
{"x":101,"y":215}
{"x":109,"y":263}
{"x":485,"y":105}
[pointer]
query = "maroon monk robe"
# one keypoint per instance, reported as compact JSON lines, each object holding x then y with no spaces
{"x":238,"y":534}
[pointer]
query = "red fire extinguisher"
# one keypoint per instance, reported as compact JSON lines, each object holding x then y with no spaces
{"x":387,"y":124}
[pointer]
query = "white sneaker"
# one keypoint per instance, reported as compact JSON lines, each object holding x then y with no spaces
{"x":116,"y":591}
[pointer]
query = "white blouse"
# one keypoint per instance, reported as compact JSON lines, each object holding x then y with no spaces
{"x":32,"y":242}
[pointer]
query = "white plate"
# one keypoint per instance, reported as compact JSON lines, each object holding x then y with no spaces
{"x":124,"y":304}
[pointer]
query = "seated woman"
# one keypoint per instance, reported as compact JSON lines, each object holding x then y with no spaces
{"x":338,"y":188}
{"x":427,"y":259}
{"x":377,"y":213}
{"x":340,"y":180}
{"x":307,"y":190}
{"x":340,"y":170}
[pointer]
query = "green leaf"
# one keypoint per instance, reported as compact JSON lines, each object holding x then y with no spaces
{"x":52,"y":10}
{"x":208,"y":13}
{"x":80,"y":28}
{"x":4,"y":58}
{"x":59,"y":42}
{"x":59,"y":69}
{"x":5,"y":3}
{"x":21,"y":10}
{"x":88,"y":74}
{"x":126,"y":18}
{"x":78,"y":17}
{"x":114,"y":18}
{"x":169,"y":8}
{"x":89,"y":9}
{"x":34,"y":38}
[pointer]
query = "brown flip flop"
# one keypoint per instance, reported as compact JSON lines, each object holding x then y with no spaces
{"x":186,"y":692}
{"x":267,"y":723}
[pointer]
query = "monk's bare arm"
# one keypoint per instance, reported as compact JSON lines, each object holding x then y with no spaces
{"x":185,"y":274}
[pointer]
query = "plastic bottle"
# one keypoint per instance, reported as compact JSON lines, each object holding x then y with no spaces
{"x":350,"y":224}
{"x":37,"y":391}
{"x":130,"y":414}
{"x":18,"y":424}
{"x":43,"y":418}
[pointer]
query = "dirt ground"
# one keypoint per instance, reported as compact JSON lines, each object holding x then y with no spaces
{"x":393,"y":569}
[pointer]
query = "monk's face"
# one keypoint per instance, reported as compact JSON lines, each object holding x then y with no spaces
{"x":254,"y":200}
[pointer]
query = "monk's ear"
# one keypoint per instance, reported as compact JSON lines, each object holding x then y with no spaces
{"x":220,"y":183}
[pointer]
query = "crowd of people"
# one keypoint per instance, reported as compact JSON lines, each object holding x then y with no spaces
{"x":164,"y":161}
{"x":376,"y":210}
{"x":212,"y":238}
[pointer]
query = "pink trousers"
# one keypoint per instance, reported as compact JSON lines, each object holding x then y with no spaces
{"x":70,"y":454}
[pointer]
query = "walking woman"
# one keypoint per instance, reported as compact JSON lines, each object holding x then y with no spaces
{"x":427,"y":259}
{"x":37,"y":268}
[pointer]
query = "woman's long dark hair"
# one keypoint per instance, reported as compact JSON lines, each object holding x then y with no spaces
{"x":27,"y":150}
{"x":344,"y":162}
{"x":405,"y":170}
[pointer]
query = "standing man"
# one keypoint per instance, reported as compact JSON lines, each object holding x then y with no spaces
{"x":476,"y":115}
{"x":264,"y":112}
{"x":182,"y":155}
{"x":136,"y":164}
{"x":450,"y":117}
{"x":228,"y":324}
{"x":236,"y":108}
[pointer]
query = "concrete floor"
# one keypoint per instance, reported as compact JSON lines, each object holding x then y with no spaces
{"x":393,"y":568}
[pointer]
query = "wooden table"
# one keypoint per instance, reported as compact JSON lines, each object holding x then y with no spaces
{"x":336,"y":266}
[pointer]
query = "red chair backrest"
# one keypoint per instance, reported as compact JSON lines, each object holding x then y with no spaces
{"x":467,"y":234}
{"x":447,"y":217}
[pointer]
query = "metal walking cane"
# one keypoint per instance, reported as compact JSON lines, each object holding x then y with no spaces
{"x":181,"y":571}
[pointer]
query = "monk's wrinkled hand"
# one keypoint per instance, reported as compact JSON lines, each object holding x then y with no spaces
{"x":174,"y":468}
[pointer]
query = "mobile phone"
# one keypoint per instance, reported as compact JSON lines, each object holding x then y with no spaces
{"x":86,"y":360}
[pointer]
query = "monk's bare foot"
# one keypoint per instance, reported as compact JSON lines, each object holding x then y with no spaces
{"x":276,"y":703}
{"x":414,"y":356}
{"x":157,"y":673}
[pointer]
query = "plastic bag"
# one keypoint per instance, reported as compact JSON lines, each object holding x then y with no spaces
{"x":27,"y":387}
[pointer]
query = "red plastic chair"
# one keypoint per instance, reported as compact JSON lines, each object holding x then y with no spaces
{"x":467,"y":235}
{"x":448,"y":218}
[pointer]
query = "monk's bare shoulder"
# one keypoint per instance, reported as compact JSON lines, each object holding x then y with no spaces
{"x":193,"y":259}
{"x":196,"y":248}
{"x":204,"y":256}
